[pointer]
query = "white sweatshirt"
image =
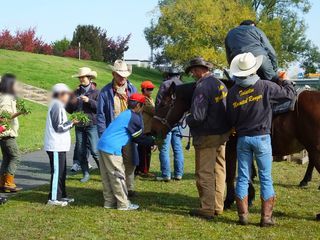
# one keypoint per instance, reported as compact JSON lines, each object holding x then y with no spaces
{"x":57,"y":135}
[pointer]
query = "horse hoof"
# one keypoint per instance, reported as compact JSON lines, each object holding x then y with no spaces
{"x":303,"y":184}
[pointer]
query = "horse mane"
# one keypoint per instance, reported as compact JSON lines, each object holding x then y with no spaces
{"x":185,"y":91}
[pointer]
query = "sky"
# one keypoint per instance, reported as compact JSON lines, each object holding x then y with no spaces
{"x":55,"y":19}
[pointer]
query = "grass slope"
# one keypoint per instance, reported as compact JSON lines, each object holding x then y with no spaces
{"x":43,"y":71}
{"x":163,"y":214}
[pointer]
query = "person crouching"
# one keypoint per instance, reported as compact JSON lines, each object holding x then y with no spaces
{"x":126,"y":128}
{"x":57,"y":143}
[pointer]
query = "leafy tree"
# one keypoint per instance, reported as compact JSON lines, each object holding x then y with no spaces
{"x":185,"y":29}
{"x":190,"y":28}
{"x":114,"y":49}
{"x":90,"y":38}
{"x":60,"y":46}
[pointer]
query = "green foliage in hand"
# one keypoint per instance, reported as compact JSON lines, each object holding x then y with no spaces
{"x":5,"y":119}
{"x":81,"y":117}
{"x":22,"y":107}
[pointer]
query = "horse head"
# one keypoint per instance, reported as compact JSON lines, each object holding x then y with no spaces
{"x":175,"y":102}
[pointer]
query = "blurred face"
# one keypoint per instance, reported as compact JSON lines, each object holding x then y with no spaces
{"x":16,"y":87}
{"x":119,"y":80}
{"x":147,"y":92}
{"x":64,"y":97}
{"x":84,"y":81}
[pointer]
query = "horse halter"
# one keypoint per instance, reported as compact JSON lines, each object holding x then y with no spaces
{"x":164,"y":121}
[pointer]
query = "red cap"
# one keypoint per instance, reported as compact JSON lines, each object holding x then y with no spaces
{"x":138,"y":98}
{"x":147,"y":84}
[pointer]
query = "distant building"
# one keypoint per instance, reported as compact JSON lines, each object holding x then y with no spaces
{"x":139,"y":63}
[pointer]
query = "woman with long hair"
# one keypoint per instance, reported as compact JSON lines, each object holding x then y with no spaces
{"x":8,"y":143}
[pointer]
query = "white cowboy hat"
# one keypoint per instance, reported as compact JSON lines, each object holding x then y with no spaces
{"x":86,"y":72}
{"x":122,"y":68}
{"x":245,"y":64}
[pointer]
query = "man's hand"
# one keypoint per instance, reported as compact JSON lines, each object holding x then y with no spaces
{"x":85,"y":99}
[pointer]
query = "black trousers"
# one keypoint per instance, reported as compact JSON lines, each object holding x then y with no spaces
{"x":144,"y":159}
{"x":58,"y":175}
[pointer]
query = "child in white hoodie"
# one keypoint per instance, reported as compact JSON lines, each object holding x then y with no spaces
{"x":57,"y":143}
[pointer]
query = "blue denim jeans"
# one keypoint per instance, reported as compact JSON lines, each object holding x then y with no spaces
{"x":247,"y":148}
{"x":175,"y":141}
{"x":86,"y":139}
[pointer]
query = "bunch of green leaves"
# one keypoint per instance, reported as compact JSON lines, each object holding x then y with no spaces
{"x":81,"y":117}
{"x":22,"y":107}
{"x":5,"y":119}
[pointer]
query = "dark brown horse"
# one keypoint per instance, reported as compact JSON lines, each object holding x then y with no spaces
{"x":291,"y":132}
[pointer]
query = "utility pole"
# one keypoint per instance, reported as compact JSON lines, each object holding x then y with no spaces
{"x":79,"y":51}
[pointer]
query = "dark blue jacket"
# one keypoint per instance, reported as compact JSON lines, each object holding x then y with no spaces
{"x":105,"y":113}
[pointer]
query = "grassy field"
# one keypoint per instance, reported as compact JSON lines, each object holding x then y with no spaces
{"x":43,"y":71}
{"x":163,"y":214}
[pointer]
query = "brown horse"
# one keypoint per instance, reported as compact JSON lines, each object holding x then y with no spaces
{"x":291,"y":132}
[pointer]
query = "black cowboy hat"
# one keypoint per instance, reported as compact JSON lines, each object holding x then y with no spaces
{"x":198,"y":62}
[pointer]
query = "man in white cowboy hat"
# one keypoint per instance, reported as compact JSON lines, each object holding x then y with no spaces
{"x":85,"y":99}
{"x":113,"y":100}
{"x":249,"y":112}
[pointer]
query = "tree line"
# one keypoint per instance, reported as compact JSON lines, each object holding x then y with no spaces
{"x":182,"y":29}
{"x":95,"y":44}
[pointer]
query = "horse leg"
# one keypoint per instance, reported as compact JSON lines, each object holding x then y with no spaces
{"x":308,"y":176}
{"x":251,"y":190}
{"x":231,"y":164}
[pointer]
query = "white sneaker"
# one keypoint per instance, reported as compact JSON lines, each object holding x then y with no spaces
{"x":68,"y":200}
{"x":57,"y":203}
{"x":131,"y":207}
{"x":75,"y":167}
{"x":163,"y":179}
{"x":90,"y":166}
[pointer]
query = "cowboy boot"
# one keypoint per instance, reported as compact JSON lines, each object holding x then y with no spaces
{"x":9,"y":185}
{"x":243,"y":213}
{"x":266,"y":212}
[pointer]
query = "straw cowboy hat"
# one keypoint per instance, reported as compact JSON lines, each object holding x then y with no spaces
{"x":86,"y":72}
{"x":245,"y":64}
{"x":122,"y":68}
{"x":198,"y":62}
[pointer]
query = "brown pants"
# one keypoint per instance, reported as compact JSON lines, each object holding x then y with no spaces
{"x":210,"y":177}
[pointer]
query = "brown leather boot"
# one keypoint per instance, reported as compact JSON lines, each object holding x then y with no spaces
{"x":9,"y":185}
{"x":243,"y":213}
{"x":266,"y":212}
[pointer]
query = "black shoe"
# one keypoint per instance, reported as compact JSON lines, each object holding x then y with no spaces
{"x":131,"y":194}
{"x":3,"y":200}
{"x":318,"y":217}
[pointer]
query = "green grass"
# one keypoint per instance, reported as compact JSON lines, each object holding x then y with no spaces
{"x":32,"y":126}
{"x":43,"y":71}
{"x":163,"y":214}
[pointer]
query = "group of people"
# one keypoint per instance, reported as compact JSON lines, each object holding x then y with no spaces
{"x":119,"y":133}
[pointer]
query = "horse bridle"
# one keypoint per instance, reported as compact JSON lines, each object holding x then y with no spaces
{"x":164,"y":120}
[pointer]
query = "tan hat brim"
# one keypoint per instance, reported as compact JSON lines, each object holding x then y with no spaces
{"x":236,"y":71}
{"x":93,"y":75}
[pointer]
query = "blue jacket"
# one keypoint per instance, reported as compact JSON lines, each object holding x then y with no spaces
{"x":127,"y":127}
{"x":105,"y":113}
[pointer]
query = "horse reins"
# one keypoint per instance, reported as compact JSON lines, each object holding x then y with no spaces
{"x":164,"y":121}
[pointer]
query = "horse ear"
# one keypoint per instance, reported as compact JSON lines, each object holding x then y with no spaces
{"x":172,"y":88}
